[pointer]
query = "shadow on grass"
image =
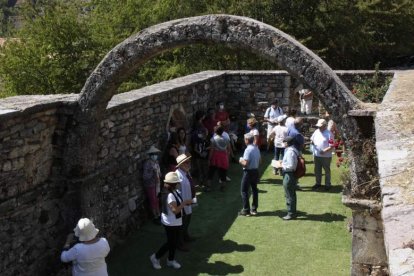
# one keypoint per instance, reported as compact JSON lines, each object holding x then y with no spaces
{"x":333,"y":190}
{"x":275,"y":181}
{"x":211,"y":220}
{"x":326,"y":217}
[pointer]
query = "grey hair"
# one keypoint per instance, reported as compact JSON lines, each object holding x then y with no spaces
{"x":249,"y":137}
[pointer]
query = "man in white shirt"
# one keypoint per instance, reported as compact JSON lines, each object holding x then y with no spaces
{"x":270,"y":116}
{"x":306,"y":97}
{"x":322,"y":142}
{"x":187,"y":192}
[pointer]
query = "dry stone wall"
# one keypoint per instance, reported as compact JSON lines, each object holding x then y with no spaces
{"x":40,"y":203}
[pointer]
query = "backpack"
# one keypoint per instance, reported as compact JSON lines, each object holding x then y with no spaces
{"x":301,"y":167}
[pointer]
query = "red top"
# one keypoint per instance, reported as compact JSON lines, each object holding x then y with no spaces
{"x":210,"y":124}
{"x":222,"y":116}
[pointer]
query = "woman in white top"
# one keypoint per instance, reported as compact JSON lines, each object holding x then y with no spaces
{"x":252,"y":124}
{"x":280,"y":133}
{"x":87,"y":256}
{"x":171,"y":218}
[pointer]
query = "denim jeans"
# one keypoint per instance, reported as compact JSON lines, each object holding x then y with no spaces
{"x":279,"y":153}
{"x":250,"y":179}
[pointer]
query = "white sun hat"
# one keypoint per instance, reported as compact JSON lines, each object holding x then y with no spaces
{"x":321,"y":122}
{"x":172,"y":177}
{"x":153,"y":149}
{"x":182,"y":158}
{"x":85,"y":230}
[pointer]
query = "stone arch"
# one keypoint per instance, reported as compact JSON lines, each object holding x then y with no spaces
{"x":232,"y":31}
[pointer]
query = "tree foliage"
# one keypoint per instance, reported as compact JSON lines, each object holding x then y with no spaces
{"x":62,"y":41}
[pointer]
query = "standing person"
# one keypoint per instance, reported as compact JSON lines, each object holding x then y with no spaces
{"x":222,"y":116}
{"x":250,"y":115}
{"x":298,"y":140}
{"x":294,"y":132}
{"x":200,"y":144}
{"x":322,"y":140}
{"x":210,"y":122}
{"x":331,"y":125}
{"x":280,"y":132}
{"x":250,"y":163}
{"x":252,"y":124}
{"x":171,"y":218}
{"x":290,"y":120}
{"x":306,"y":97}
{"x":182,"y":141}
{"x":270,"y":116}
{"x":233,"y":133}
{"x":187,"y":191}
{"x":288,"y":166}
{"x":87,"y":256}
{"x":152,"y":181}
{"x":171,"y":153}
{"x":218,"y":158}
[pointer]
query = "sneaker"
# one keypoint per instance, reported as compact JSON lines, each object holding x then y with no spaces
{"x":206,"y":189}
{"x":228,"y":179}
{"x":253,"y":212}
{"x":244,"y":213}
{"x":288,"y":217}
{"x":315,"y":187}
{"x":155,"y":262}
{"x":173,"y":264}
{"x":327,"y":188}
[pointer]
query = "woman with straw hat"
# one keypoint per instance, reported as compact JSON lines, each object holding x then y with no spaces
{"x":87,"y":256}
{"x":171,"y":218}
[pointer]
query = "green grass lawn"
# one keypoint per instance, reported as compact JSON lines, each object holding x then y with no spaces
{"x":316,"y":243}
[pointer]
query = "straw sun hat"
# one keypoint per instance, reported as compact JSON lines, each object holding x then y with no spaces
{"x":153,"y":150}
{"x":171,"y":178}
{"x":182,"y":158}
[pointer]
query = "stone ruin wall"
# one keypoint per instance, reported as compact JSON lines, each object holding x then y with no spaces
{"x":39,"y":206}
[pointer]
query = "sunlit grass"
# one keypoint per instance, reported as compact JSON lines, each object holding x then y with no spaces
{"x":317,"y":243}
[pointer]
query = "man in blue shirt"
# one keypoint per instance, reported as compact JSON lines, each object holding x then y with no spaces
{"x":288,"y":165}
{"x":250,"y":163}
{"x":298,"y":139}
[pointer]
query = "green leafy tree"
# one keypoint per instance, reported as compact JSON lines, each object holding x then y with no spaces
{"x":54,"y":52}
{"x":6,"y":11}
{"x":62,"y":41}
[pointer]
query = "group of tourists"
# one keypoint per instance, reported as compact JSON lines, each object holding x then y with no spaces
{"x":211,"y":145}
